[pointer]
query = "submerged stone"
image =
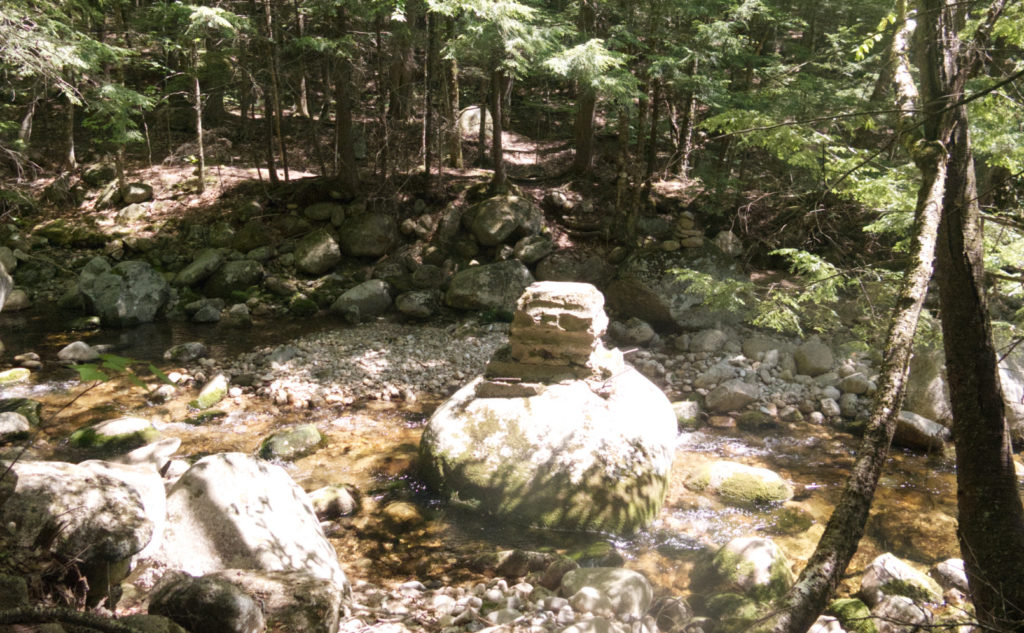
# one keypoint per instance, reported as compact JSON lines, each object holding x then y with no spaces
{"x":116,"y":435}
{"x":741,"y":485}
{"x":11,"y":376}
{"x":291,"y":444}
{"x":212,"y":393}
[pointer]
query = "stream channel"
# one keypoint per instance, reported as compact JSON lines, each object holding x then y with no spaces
{"x":373,"y":445}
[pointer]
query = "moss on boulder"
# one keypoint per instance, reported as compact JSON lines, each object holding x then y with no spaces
{"x":15,"y":375}
{"x":115,"y":436}
{"x":292,"y":444}
{"x":853,"y":614}
{"x":562,"y":458}
{"x":741,"y":485}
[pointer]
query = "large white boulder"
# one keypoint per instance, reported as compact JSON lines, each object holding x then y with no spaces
{"x":576,"y":455}
{"x":78,"y":513}
{"x":234,"y":511}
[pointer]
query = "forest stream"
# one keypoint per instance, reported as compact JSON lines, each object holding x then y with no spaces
{"x":372,"y":445}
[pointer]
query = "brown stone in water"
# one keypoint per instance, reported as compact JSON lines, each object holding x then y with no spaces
{"x":722,"y":422}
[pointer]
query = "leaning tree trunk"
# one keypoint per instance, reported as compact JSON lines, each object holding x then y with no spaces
{"x":820,"y":577}
{"x":991,"y":525}
{"x":991,"y":518}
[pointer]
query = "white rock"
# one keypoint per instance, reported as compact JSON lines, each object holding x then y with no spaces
{"x":235,"y":511}
{"x":887,"y":571}
{"x":629,"y":592}
{"x":899,"y":614}
{"x":78,"y":352}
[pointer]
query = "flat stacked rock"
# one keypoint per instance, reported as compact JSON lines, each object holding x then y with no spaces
{"x":555,"y":337}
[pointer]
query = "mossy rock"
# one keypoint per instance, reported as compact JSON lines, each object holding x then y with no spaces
{"x":212,"y":393}
{"x":853,"y":614}
{"x":543,"y":459}
{"x":733,"y":611}
{"x":115,"y":436}
{"x":15,"y":375}
{"x":292,"y":444}
{"x":910,"y":589}
{"x":754,"y":566}
{"x":790,"y":520}
{"x":596,"y":554}
{"x":687,"y":413}
{"x":25,"y":406}
{"x":59,"y":232}
{"x":206,"y":417}
{"x":756,"y":420}
{"x":302,"y":306}
{"x":84,"y":324}
{"x":741,"y":485}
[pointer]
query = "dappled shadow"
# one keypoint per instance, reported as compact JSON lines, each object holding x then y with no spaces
{"x":222,"y":524}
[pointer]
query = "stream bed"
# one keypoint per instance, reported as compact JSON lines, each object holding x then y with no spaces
{"x":372,"y":444}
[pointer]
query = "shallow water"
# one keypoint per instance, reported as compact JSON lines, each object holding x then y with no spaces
{"x":373,"y":446}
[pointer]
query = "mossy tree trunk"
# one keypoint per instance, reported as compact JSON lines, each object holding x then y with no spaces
{"x":991,"y":518}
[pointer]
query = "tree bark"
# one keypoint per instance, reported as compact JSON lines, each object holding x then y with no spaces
{"x":991,"y":518}
{"x":482,"y":132}
{"x":302,"y":107}
{"x":429,"y":79}
{"x":268,"y":120}
{"x":403,"y":64}
{"x":453,"y":140}
{"x":25,"y":130}
{"x":347,"y":171}
{"x":586,"y":103}
{"x":652,"y":142}
{"x":499,"y":183}
{"x":70,"y":161}
{"x":819,"y":579}
{"x":275,"y":90}
{"x":687,"y":126}
{"x":197,"y":96}
{"x":583,"y":131}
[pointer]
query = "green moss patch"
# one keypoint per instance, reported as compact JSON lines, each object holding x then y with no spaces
{"x":853,"y":614}
{"x":89,"y":438}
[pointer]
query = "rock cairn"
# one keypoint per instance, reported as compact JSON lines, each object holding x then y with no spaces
{"x":555,"y":336}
